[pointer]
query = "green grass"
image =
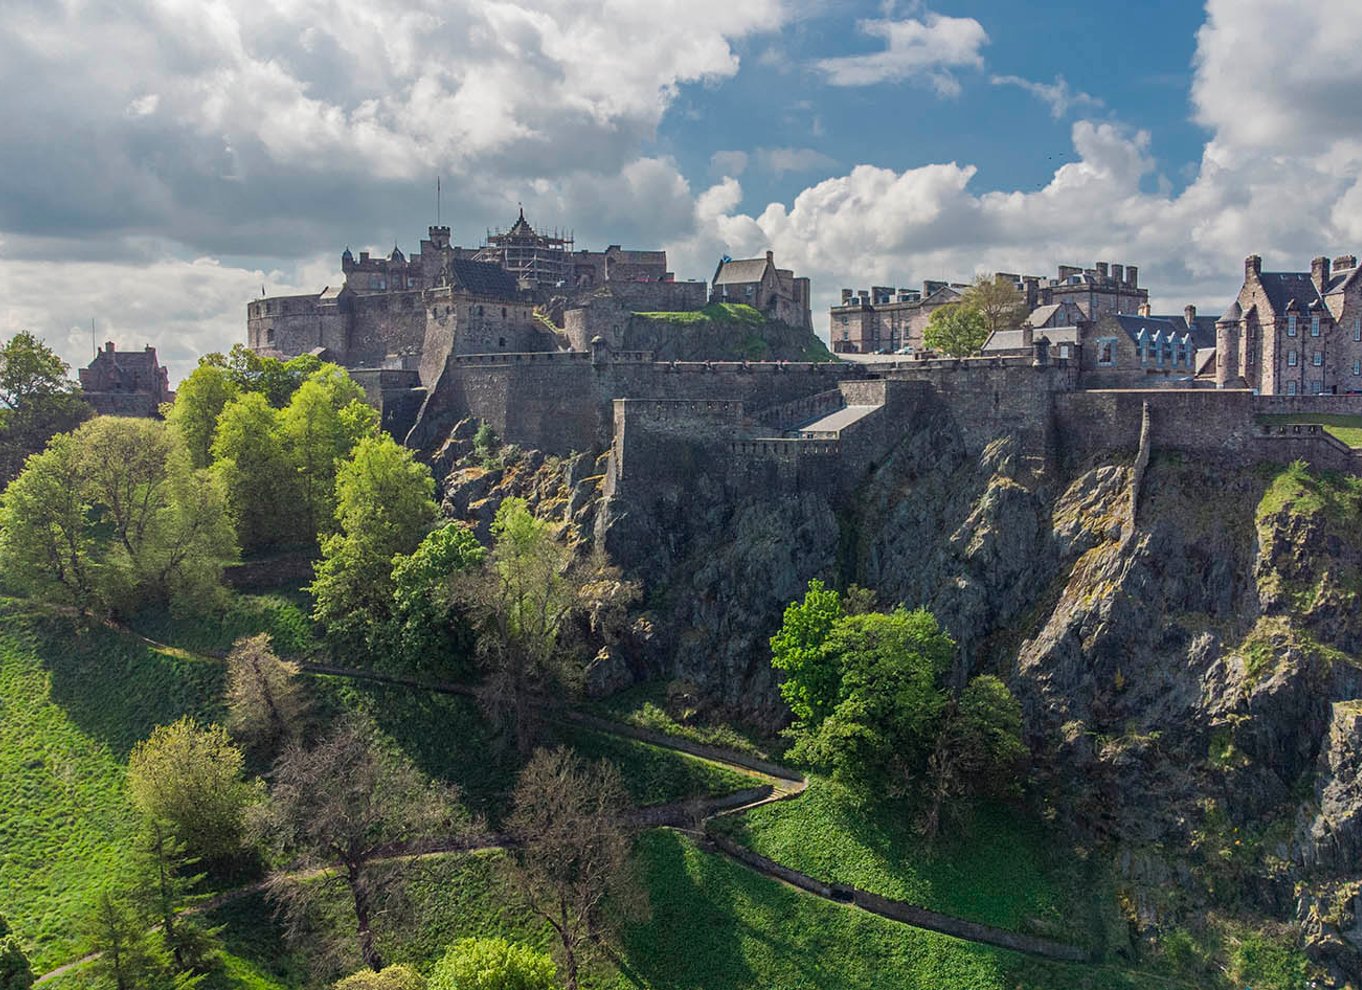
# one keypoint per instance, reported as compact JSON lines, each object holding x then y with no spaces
{"x":1305,"y":492}
{"x":285,"y":615}
{"x":1346,"y":428}
{"x":72,"y":704}
{"x":647,"y":706}
{"x":714,"y":312}
{"x":1006,"y":870}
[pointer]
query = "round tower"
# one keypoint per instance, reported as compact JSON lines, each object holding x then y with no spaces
{"x":1227,"y":347}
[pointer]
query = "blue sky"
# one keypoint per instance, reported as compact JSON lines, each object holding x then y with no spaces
{"x":165,"y":159}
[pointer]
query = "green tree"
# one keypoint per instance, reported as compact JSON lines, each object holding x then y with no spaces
{"x":957,"y":330}
{"x":199,"y":401}
{"x":571,"y":857}
{"x":15,"y":971}
{"x":191,"y":777}
{"x":429,"y":622}
{"x":979,"y":749}
{"x":347,"y":803}
{"x":47,"y":543}
{"x":164,"y":893}
{"x":397,"y":977}
{"x":38,"y":400}
{"x":318,"y":432}
{"x":265,"y":701}
{"x":257,"y":475}
{"x":268,"y":376}
{"x":384,"y":507}
{"x":998,"y":301}
{"x":529,"y":595}
{"x":493,"y":964}
{"x":800,"y":649}
{"x":117,"y":934}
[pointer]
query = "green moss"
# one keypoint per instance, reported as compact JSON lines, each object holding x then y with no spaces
{"x":714,"y":312}
{"x":1301,"y":491}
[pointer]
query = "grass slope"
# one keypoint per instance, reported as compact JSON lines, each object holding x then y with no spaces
{"x":1006,"y":870}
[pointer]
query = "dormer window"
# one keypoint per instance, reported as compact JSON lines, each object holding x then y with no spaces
{"x":1291,"y":326}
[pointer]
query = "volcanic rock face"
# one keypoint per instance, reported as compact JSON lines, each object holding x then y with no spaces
{"x":1189,"y":675}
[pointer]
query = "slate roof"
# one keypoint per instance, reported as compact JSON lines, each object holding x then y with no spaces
{"x":1284,"y":287}
{"x":741,"y":272}
{"x":1202,"y":328}
{"x":483,"y":278}
{"x":1042,"y":314}
{"x":1339,"y":280}
{"x":1132,"y":325}
{"x":1011,"y":340}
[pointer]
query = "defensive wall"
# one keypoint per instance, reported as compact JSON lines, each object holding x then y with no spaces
{"x":561,"y":401}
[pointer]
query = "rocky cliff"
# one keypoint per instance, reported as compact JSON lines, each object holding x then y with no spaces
{"x":1184,"y":640}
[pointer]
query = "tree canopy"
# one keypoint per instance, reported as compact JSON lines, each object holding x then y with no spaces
{"x":956,"y":329}
{"x":999,"y":302}
{"x":38,"y":400}
{"x":493,"y":964}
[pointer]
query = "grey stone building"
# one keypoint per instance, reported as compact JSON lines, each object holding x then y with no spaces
{"x":758,"y":283}
{"x":125,"y":383}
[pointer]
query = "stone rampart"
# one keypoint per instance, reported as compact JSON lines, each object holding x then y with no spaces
{"x":794,"y":414}
{"x":660,"y":297}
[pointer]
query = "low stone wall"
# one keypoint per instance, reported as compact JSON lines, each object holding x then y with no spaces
{"x":792,"y":415}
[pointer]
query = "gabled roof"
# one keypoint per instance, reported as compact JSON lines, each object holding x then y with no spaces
{"x":945,"y":294}
{"x":1132,"y":325}
{"x":1011,"y":340}
{"x":1284,"y":288}
{"x":1341,"y":279}
{"x":483,"y":278}
{"x":1204,"y":362}
{"x":1042,"y":315}
{"x":740,"y":272}
{"x":1202,"y":328}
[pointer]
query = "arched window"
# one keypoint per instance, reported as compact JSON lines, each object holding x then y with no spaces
{"x":269,"y":336}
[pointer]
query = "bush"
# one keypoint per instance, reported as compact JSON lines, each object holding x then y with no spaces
{"x":493,"y":964}
{"x":388,"y":978}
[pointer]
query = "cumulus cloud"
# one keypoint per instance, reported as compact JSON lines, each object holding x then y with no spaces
{"x":732,"y":162}
{"x":783,"y":160}
{"x":922,"y":49}
{"x":1057,"y":95}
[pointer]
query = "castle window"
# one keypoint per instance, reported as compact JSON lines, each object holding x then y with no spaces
{"x":501,"y":342}
{"x":1317,"y":359}
{"x":1357,"y":367}
{"x":1292,"y":358}
{"x":1317,"y":387}
{"x":269,"y":337}
{"x":1314,"y":326}
{"x":1357,"y":328}
{"x":503,"y":312}
{"x":1290,"y":388}
{"x":1291,"y":326}
{"x":479,"y":310}
{"x":1106,"y":352}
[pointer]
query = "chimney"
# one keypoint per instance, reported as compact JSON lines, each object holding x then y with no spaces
{"x":1132,"y":276}
{"x":1319,"y":273}
{"x":846,"y":297}
{"x":1118,"y":274}
{"x":1345,"y":263}
{"x":1253,"y":267}
{"x":771,"y":257}
{"x":1190,"y":313}
{"x":1102,"y":269}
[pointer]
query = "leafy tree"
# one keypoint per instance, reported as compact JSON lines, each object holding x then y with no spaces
{"x":268,"y":376}
{"x":15,"y":971}
{"x":347,"y":803}
{"x":191,"y":778}
{"x":800,"y":649}
{"x":529,"y":593}
{"x":384,"y":507}
{"x":265,"y":701}
{"x":889,"y":698}
{"x":397,"y":977}
{"x":978,"y":748}
{"x":571,"y":858}
{"x":164,"y":894}
{"x":493,"y":964}
{"x":999,"y":302}
{"x":428,"y":619}
{"x":39,"y":401}
{"x":199,"y":402}
{"x":956,"y":329}
{"x":257,"y":475}
{"x":47,"y":542}
{"x":318,"y":431}
{"x":486,"y":444}
{"x":117,"y":932}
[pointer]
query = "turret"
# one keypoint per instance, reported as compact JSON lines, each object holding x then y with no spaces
{"x":1227,"y":346}
{"x":347,"y":261}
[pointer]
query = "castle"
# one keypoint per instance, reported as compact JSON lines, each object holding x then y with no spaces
{"x":125,"y":383}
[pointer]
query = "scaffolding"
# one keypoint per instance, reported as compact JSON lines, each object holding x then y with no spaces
{"x":541,"y":258}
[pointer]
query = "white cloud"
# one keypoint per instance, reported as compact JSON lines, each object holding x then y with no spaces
{"x":733,"y":162}
{"x":916,"y":49}
{"x":1057,"y":95}
{"x":783,"y":160}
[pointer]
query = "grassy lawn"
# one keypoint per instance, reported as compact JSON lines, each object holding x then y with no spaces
{"x":1006,"y":870}
{"x":285,"y":615}
{"x":1346,"y":428}
{"x":646,"y":706}
{"x":727,"y":312}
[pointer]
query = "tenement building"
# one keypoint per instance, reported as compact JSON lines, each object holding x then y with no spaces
{"x":888,"y":319}
{"x":1293,"y":333}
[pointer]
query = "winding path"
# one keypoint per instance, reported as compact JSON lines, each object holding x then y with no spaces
{"x":773,"y":781}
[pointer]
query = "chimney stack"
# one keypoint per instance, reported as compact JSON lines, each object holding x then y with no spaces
{"x":1143,"y":309}
{"x":1118,"y":274}
{"x":1132,"y":276}
{"x":1345,"y":263}
{"x":1319,"y":273}
{"x":1253,"y":267}
{"x":1190,"y":313}
{"x":1102,"y":269}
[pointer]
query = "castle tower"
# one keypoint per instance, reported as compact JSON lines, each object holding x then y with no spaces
{"x":1227,"y":347}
